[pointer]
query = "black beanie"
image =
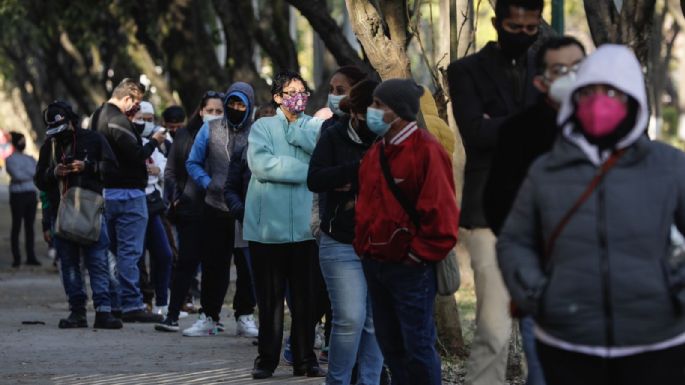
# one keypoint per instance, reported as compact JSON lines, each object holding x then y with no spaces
{"x":401,"y":95}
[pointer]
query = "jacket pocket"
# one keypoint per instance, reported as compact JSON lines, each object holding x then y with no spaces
{"x":534,"y":288}
{"x":390,"y":242}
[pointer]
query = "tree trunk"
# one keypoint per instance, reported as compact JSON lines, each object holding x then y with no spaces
{"x":462,"y":23}
{"x":332,"y":35}
{"x":631,"y":26}
{"x":384,"y":44}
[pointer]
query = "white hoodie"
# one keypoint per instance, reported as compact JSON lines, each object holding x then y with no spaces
{"x":617,"y":66}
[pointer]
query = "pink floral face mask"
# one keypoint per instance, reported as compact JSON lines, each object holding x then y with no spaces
{"x":600,"y":114}
{"x":296,"y":103}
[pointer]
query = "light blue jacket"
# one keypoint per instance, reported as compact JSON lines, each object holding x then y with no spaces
{"x":278,"y":206}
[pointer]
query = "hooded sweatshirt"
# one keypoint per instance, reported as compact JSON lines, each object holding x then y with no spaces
{"x":214,"y":144}
{"x":608,"y":287}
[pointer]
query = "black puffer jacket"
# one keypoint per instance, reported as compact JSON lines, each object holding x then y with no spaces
{"x":334,"y":165}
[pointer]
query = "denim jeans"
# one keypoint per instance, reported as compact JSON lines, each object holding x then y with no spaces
{"x":157,"y":244}
{"x":535,"y":374}
{"x":403,"y":298}
{"x":95,"y":257}
{"x":353,"y":339}
{"x":126,"y":224}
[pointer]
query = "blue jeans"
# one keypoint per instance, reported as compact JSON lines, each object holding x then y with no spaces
{"x":126,"y":223}
{"x":353,"y":338}
{"x":403,"y":298}
{"x":95,"y":257}
{"x":157,"y":244}
{"x":535,"y":373}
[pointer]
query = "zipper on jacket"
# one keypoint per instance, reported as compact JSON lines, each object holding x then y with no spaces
{"x":605,"y":266}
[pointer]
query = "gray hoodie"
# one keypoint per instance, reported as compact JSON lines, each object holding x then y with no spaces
{"x":609,"y":281}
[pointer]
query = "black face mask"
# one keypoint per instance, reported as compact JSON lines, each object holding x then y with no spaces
{"x":514,"y":45}
{"x":138,"y":127}
{"x":235,"y":117}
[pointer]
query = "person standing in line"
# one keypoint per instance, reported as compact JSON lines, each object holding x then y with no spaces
{"x":522,"y":139}
{"x":208,"y":164}
{"x":74,"y":157}
{"x":21,"y":169}
{"x":486,"y":89}
{"x":277,"y":215}
{"x":406,"y":220}
{"x":125,"y":203}
{"x":186,"y":200}
{"x":333,"y":170}
{"x":585,"y":249}
{"x":156,"y":240}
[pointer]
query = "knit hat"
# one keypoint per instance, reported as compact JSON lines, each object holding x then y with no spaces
{"x":401,"y":95}
{"x":146,"y":108}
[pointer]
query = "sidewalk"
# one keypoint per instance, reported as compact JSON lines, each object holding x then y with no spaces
{"x":44,"y":354}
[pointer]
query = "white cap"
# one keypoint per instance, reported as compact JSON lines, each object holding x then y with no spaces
{"x":146,"y":108}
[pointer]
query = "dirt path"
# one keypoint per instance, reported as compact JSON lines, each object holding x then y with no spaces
{"x":44,"y":354}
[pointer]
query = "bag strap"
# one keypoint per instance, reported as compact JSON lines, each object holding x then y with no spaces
{"x":603,"y":170}
{"x":401,"y":198}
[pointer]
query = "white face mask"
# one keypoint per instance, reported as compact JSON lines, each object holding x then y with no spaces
{"x":148,"y":130}
{"x":207,"y":117}
{"x":561,"y":87}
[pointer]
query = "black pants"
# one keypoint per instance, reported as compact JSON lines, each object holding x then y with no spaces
{"x":189,"y":245}
{"x":663,"y":367}
{"x":274,"y":266}
{"x":244,"y":300}
{"x":23,"y":207}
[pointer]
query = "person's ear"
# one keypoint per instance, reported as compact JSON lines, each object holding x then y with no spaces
{"x":278,"y":98}
{"x":541,"y":84}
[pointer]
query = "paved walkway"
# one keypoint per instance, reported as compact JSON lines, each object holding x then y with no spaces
{"x":44,"y":354}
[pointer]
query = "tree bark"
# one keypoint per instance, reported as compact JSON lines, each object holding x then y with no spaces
{"x":383,"y":44}
{"x":316,"y":12}
{"x":631,"y":26}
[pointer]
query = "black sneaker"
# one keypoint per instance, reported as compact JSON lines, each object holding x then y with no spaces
{"x":105,"y":320}
{"x":116,"y":314}
{"x":168,"y":325}
{"x":141,"y":316}
{"x":76,"y":319}
{"x":313,"y":371}
{"x":258,"y":373}
{"x":33,"y":262}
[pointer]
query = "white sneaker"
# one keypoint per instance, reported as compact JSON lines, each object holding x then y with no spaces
{"x":204,"y":326}
{"x":162,"y":310}
{"x":246,"y":327}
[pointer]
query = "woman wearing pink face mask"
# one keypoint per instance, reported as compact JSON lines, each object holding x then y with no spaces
{"x":585,"y":249}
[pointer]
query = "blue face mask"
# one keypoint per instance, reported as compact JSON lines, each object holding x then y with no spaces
{"x":374,"y":120}
{"x":334,"y":104}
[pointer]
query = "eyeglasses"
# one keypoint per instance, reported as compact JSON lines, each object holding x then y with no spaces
{"x":559,"y":70}
{"x":591,"y":90}
{"x":295,"y":93}
{"x":213,"y":94}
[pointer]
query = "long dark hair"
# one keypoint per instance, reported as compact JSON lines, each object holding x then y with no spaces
{"x":196,"y":121}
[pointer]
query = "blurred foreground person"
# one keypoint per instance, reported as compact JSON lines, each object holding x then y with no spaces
{"x":73,"y":157}
{"x":585,"y":247}
{"x":406,"y":220}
